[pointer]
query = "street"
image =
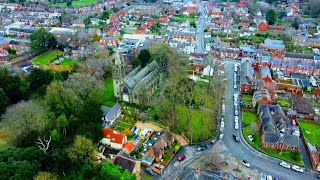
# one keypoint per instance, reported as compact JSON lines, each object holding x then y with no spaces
{"x":242,"y":150}
{"x":201,"y":27}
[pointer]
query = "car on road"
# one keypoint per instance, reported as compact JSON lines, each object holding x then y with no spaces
{"x":318,"y":176}
{"x":245,"y":163}
{"x":201,"y":148}
{"x":221,"y":136}
{"x":236,"y":112}
{"x":297,"y":168}
{"x":222,"y":124}
{"x":150,"y":171}
{"x":235,"y":103}
{"x":182,"y":157}
{"x":285,"y":165}
{"x":263,"y":176}
{"x":235,"y":86}
{"x":236,"y":119}
{"x":236,"y":126}
{"x":269,"y":177}
{"x":236,"y":138}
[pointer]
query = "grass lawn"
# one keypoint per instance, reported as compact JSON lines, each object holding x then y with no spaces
{"x":181,"y":18}
{"x":246,"y":97}
{"x":200,"y":123}
{"x":45,"y":58}
{"x":67,"y":62}
{"x":121,"y":126}
{"x":146,"y":176}
{"x":311,"y":132}
{"x":249,"y":117}
{"x":108,"y":92}
{"x":77,"y":4}
{"x":285,"y":103}
{"x":168,"y":155}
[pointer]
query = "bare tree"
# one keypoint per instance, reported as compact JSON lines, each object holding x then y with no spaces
{"x":43,"y":144}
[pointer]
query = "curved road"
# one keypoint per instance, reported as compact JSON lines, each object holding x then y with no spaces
{"x":243,"y":150}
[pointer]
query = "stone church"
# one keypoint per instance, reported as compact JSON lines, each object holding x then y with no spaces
{"x":139,"y":85}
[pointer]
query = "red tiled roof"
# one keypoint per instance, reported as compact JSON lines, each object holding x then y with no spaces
{"x":129,"y":146}
{"x":114,"y":137}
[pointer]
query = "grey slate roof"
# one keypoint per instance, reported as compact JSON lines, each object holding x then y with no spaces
{"x":299,"y":55}
{"x":111,"y":111}
{"x":138,"y":74}
{"x":247,"y":72}
{"x":265,"y":72}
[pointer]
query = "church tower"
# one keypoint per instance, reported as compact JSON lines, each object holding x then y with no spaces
{"x":118,"y":74}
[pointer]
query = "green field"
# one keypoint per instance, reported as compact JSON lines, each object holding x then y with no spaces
{"x":249,"y":117}
{"x":67,"y":62}
{"x":199,"y":123}
{"x":286,"y":155}
{"x":47,"y":57}
{"x":77,"y":4}
{"x":311,"y":132}
{"x":182,"y":18}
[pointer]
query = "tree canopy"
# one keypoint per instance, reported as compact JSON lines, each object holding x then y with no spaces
{"x":41,"y":41}
{"x":271,"y":17}
{"x":111,"y":171}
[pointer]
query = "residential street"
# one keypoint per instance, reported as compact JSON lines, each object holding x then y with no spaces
{"x":243,"y":150}
{"x":201,"y":26}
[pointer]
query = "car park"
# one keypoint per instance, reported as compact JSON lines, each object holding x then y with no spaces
{"x":150,"y":171}
{"x":297,"y":168}
{"x":182,"y":157}
{"x":245,"y":163}
{"x":236,"y":126}
{"x":236,"y":138}
{"x":285,"y":165}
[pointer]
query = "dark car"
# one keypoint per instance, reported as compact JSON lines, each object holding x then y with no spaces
{"x":318,"y":176}
{"x":150,"y":171}
{"x":236,"y":138}
{"x":201,"y":148}
{"x":182,"y":157}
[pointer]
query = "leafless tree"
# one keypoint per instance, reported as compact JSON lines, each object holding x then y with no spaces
{"x":43,"y":144}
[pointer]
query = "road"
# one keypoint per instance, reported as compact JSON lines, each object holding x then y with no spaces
{"x":201,"y":26}
{"x":243,"y":150}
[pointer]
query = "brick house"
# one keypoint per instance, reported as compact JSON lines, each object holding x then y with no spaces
{"x":164,"y":19}
{"x":314,"y":156}
{"x":276,"y":129}
{"x":21,"y":32}
{"x":109,"y":41}
{"x":183,"y":36}
{"x":4,"y":55}
{"x":273,"y":45}
{"x":261,"y":97}
{"x":150,"y":22}
{"x":81,"y":51}
{"x":265,"y":74}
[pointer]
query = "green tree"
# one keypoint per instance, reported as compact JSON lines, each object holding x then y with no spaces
{"x":69,"y":3}
{"x":46,"y":176}
{"x":111,"y":171}
{"x":160,"y":52}
{"x":87,"y":22}
{"x":282,"y":14}
{"x":62,"y":123}
{"x":4,"y":101}
{"x":41,"y":41}
{"x":11,"y":86}
{"x":144,"y":57}
{"x":271,"y":17}
{"x":82,"y":150}
{"x":295,"y":23}
{"x":312,"y":8}
{"x":40,"y":77}
{"x":22,"y":120}
{"x":193,"y":24}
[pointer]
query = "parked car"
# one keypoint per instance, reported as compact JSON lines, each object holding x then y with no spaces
{"x":235,"y":103}
{"x":293,"y":122}
{"x":285,"y":165}
{"x":222,"y":124}
{"x":182,"y":157}
{"x":235,"y":86}
{"x":236,"y":126}
{"x":201,"y":148}
{"x":236,"y":138}
{"x":236,"y":119}
{"x":236,"y":112}
{"x":297,"y":168}
{"x":150,"y":171}
{"x":318,"y":176}
{"x":221,"y":136}
{"x":269,"y":177}
{"x":245,"y":163}
{"x":263,"y":176}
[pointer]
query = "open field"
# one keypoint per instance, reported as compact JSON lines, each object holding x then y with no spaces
{"x":47,"y":57}
{"x":108,"y":92}
{"x":67,"y":62}
{"x":311,"y":132}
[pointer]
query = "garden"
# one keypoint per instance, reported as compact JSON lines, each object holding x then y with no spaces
{"x":47,"y":57}
{"x":77,"y":3}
